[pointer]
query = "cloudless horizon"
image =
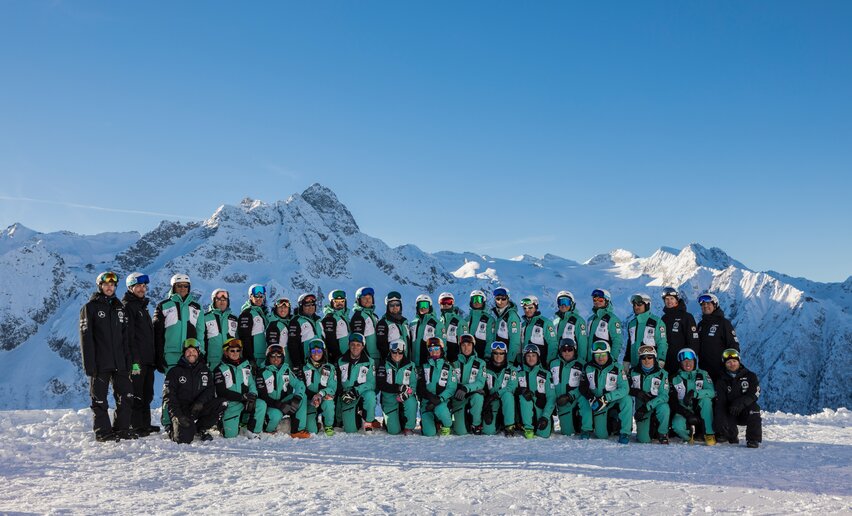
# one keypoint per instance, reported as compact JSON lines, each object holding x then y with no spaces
{"x":492,"y":127}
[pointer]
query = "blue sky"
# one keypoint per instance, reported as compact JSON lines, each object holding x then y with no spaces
{"x":495,"y":127}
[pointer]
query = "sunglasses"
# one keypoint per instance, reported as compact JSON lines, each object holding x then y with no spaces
{"x":395,"y":305}
{"x":435,"y":349}
{"x":309,"y":303}
{"x":646,"y":357}
{"x":316,"y":351}
{"x":181,"y":285}
{"x":501,"y":298}
{"x":498,"y":352}
{"x":234,"y":350}
{"x":276,"y":355}
{"x":396,"y":352}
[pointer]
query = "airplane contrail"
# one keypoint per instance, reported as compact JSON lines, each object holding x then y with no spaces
{"x":101,"y":208}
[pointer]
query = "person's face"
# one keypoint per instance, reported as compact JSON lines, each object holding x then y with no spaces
{"x":498,"y":356}
{"x":394,"y":307}
{"x":531,"y":359}
{"x":598,"y":302}
{"x":338,"y":304}
{"x":529,"y":310}
{"x":309,"y":306}
{"x":182,"y":289}
{"x":316,"y":354}
{"x":139,"y":290}
{"x":732,"y":365}
{"x":422,"y":309}
{"x":108,"y":288}
{"x":356,"y":348}
{"x":435,"y":352}
{"x":257,"y":299}
{"x":282,"y":309}
{"x":276,"y":359}
{"x":707,"y":308}
{"x":233,"y":353}
{"x":687,"y":364}
{"x":446,"y":304}
{"x":564,"y":308}
{"x":191,"y":355}
{"x":670,"y":301}
{"x":366,"y":300}
{"x":220,"y":302}
{"x":638,"y":308}
{"x":647,"y":360}
{"x":501,"y":301}
{"x":466,"y":347}
{"x":396,"y":355}
{"x":567,"y":354}
{"x":600,"y":358}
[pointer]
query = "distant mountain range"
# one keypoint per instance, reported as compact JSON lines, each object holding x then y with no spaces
{"x":795,"y":333}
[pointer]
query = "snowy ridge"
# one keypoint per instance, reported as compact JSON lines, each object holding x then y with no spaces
{"x":790,"y":328}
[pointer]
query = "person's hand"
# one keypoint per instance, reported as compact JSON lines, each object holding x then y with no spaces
{"x":564,"y":399}
{"x":461,"y":392}
{"x":541,"y":424}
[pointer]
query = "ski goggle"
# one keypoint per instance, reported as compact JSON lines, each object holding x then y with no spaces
{"x":276,"y":355}
{"x":397,"y":347}
{"x":434,"y":349}
{"x":394,"y":304}
{"x":309,"y":301}
{"x":729,"y":354}
{"x":600,"y":347}
{"x":705,"y":299}
{"x":599,"y":293}
{"x":647,"y":357}
{"x":316,"y":350}
{"x":685,"y":355}
{"x":568,"y":346}
{"x":637,"y":300}
{"x":423,"y":305}
{"x":258,"y":291}
{"x":447,"y":301}
{"x":221,"y":297}
{"x":498,"y":346}
{"x":564,"y":301}
{"x":107,"y":277}
{"x":338,"y":294}
{"x":368,"y":291}
{"x":141,"y":280}
{"x":527,"y":302}
{"x":478,"y":299}
{"x":282,"y":302}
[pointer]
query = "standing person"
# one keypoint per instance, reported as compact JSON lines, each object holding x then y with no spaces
{"x":304,"y":326}
{"x":283,"y":392}
{"x":320,"y":388}
{"x":681,"y":329}
{"x":423,"y":327}
{"x":603,"y":324}
{"x":141,"y":329}
{"x":481,"y":324}
{"x":695,"y":393}
{"x":508,"y":323}
{"x":737,"y":392}
{"x":365,"y":321}
{"x":251,"y":330}
{"x":538,"y":330}
{"x":105,"y":351}
{"x":279,"y":323}
{"x":644,"y":329}
{"x":470,"y":391}
{"x":649,"y":386}
{"x":396,"y":379}
{"x":570,"y":324}
{"x":358,"y":386}
{"x":235,"y":384}
{"x":535,"y":394}
{"x":502,"y":382}
{"x":436,"y":384}
{"x":567,"y":373}
{"x":606,"y":391}
{"x":453,"y":322}
{"x":176,"y":318}
{"x":392,"y":326}
{"x":191,"y":397}
{"x":220,"y":325}
{"x":716,"y":334}
{"x":335,"y":325}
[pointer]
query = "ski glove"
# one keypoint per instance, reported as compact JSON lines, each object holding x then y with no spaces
{"x":641,"y":414}
{"x":689,"y":398}
{"x":249,"y":397}
{"x":525,"y":393}
{"x":404,"y":393}
{"x":564,"y":399}
{"x":196,"y":409}
{"x":349,"y":397}
{"x":461,"y":392}
{"x":737,"y":406}
{"x":290,"y":407}
{"x":184,"y":421}
{"x":598,"y":404}
{"x":641,"y":395}
{"x":542,"y":423}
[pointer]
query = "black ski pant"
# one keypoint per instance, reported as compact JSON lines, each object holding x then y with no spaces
{"x":143,"y":395}
{"x":121,"y":391}
{"x":726,"y":424}
{"x":209,"y":416}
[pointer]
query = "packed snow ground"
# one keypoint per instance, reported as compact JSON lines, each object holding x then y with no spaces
{"x":50,"y":463}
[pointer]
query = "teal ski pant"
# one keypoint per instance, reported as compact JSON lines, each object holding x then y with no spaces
{"x":566,"y":418}
{"x":473,"y":404}
{"x":274,"y":416}
{"x":705,"y":410}
{"x":506,"y":405}
{"x":326,"y":409}
{"x":427,"y":418}
{"x":367,"y":401}
{"x":530,"y":414}
{"x":235,"y":414}
{"x":643,"y":427}
{"x":623,"y":406}
{"x":391,"y":409}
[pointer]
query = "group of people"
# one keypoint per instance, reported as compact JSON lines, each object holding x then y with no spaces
{"x":486,"y":372}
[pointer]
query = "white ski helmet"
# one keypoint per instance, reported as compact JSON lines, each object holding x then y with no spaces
{"x":641,"y":297}
{"x":217,"y":292}
{"x":135,"y":278}
{"x":393,"y":295}
{"x":423,"y":297}
{"x":446,"y":295}
{"x":530,"y":300}
{"x":707,"y":297}
{"x":179,"y":278}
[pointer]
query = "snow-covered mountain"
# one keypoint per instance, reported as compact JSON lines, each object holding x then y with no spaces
{"x":797,"y":334}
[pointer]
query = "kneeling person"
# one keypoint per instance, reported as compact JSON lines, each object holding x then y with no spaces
{"x":358,"y":385}
{"x":649,"y":386}
{"x":283,"y":392}
{"x":606,"y":391}
{"x":501,"y":380}
{"x":737,"y":391}
{"x":395,"y":378}
{"x":236,"y":385}
{"x":190,"y":396}
{"x":567,"y":374}
{"x":695,"y":392}
{"x":320,"y":387}
{"x":470,"y":391}
{"x":536,"y":397}
{"x":435,"y":386}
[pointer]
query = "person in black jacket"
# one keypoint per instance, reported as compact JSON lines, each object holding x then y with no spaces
{"x":191,"y":397}
{"x":141,"y":330}
{"x":105,"y":350}
{"x":681,"y":330}
{"x":737,"y":392}
{"x":716,"y":334}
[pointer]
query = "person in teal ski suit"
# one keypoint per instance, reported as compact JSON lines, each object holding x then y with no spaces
{"x":481,"y":324}
{"x":219,"y":325}
{"x":649,"y":387}
{"x":568,"y":373}
{"x":424,"y":326}
{"x":278,"y":326}
{"x":570,"y":325}
{"x":603,"y":325}
{"x":320,"y":388}
{"x":644,"y":329}
{"x":501,"y":379}
{"x":393,"y":326}
{"x":236,"y":384}
{"x":365,"y":321}
{"x":251,"y":328}
{"x":436,"y":384}
{"x":304,"y":326}
{"x":283,"y":392}
{"x":396,"y":379}
{"x":470,"y":389}
{"x":176,"y":318}
{"x":508,"y":323}
{"x":454,"y":323}
{"x":536,"y":397}
{"x":606,"y":391}
{"x":695,"y":393}
{"x":357,"y":385}
{"x":538,"y":330}
{"x":335,"y":325}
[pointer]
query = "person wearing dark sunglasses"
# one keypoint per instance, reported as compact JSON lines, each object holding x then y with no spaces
{"x":715,"y":334}
{"x":603,"y":324}
{"x":424,"y":326}
{"x":435,"y":386}
{"x":279,"y":323}
{"x":481,"y":324}
{"x":335,"y":325}
{"x":304,"y":326}
{"x":320,"y":388}
{"x":570,"y":324}
{"x":649,"y":387}
{"x":508,"y":323}
{"x":605,"y":392}
{"x":392,"y":326}
{"x":220,"y":324}
{"x":695,"y":391}
{"x":567,"y":373}
{"x":251,"y":327}
{"x":538,"y":330}
{"x":501,"y":382}
{"x":536,"y":397}
{"x":141,"y":329}
{"x":283,"y":392}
